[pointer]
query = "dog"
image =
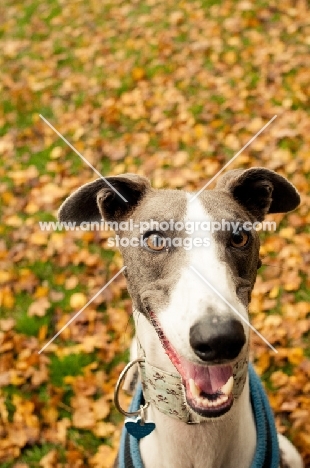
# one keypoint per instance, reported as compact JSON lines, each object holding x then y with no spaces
{"x":191,"y":312}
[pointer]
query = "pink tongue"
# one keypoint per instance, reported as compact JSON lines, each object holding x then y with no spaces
{"x":208,"y":379}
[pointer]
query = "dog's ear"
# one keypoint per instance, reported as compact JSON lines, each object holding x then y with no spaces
{"x":260,"y":191}
{"x":98,"y":199}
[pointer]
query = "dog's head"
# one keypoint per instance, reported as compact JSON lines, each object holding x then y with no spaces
{"x":191,"y":272}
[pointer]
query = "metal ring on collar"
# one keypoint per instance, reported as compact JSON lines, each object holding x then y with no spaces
{"x":117,"y":389}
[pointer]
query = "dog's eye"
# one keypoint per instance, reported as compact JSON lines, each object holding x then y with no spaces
{"x":239,"y":239}
{"x":155,"y":242}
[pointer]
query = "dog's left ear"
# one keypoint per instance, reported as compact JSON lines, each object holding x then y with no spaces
{"x":260,"y":191}
{"x":99,"y":199}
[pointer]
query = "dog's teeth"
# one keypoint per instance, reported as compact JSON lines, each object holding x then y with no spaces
{"x":222,"y":399}
{"x":193,"y":388}
{"x":207,"y":404}
{"x":227,"y":388}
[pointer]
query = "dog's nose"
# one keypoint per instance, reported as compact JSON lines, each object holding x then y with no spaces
{"x":217,"y":338}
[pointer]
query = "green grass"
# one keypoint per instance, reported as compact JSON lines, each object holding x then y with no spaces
{"x":30,"y":326}
{"x":33,"y":455}
{"x":85,"y":439}
{"x":72,"y":365}
{"x":7,"y":464}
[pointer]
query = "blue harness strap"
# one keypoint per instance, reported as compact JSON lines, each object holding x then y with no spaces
{"x":129,"y":452}
{"x":267,"y":454}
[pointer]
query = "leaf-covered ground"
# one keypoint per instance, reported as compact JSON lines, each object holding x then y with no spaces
{"x":172,"y":90}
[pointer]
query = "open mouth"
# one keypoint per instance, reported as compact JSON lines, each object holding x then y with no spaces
{"x":208,"y":389}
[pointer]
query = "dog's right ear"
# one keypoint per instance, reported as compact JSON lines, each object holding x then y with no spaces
{"x":98,"y":199}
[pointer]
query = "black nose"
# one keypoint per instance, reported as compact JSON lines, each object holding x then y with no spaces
{"x":216,"y":338}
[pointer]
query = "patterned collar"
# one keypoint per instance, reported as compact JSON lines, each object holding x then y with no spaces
{"x":267,"y":454}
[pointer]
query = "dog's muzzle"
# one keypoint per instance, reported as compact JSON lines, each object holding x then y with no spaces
{"x":205,"y":390}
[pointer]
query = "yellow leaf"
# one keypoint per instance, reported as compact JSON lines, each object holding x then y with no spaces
{"x":7,"y":197}
{"x":41,"y":291}
{"x":199,"y":130}
{"x":50,"y":414}
{"x":276,"y":400}
{"x":138,"y":73}
{"x":42,"y":333}
{"x":38,"y":238}
{"x":78,"y":300}
{"x":31,"y":208}
{"x":5,"y":276}
{"x":287,"y":232}
{"x":13,"y":221}
{"x":56,"y":152}
{"x":230,"y":57}
{"x":7,"y":299}
{"x":60,"y":279}
{"x":274,"y":292}
{"x":66,"y":332}
{"x":69,"y":379}
{"x":203,"y":144}
{"x":263,"y":363}
{"x":16,"y":378}
{"x":295,"y":355}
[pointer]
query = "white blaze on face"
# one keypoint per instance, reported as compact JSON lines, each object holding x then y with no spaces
{"x":191,"y":297}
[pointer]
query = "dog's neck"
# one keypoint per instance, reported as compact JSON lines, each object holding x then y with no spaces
{"x":226,"y":442}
